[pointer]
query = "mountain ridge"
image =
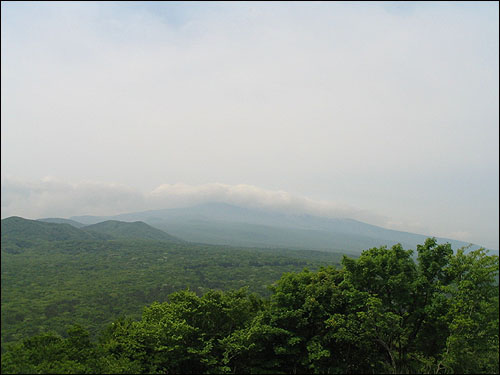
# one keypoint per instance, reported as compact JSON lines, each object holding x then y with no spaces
{"x":130,"y":230}
{"x":23,"y":231}
{"x":33,"y":230}
{"x":58,"y":220}
{"x":222,"y":223}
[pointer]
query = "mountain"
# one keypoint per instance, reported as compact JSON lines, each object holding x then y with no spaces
{"x":19,"y":228}
{"x":135,"y":230}
{"x":58,"y":220}
{"x":19,"y":232}
{"x":221,"y":223}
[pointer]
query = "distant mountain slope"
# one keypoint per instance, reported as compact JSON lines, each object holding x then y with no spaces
{"x":58,"y":220}
{"x":221,"y":223}
{"x":31,"y":230}
{"x":20,"y":232}
{"x":136,"y":230}
{"x":89,"y":220}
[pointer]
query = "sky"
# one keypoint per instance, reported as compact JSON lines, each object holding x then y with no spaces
{"x":382,"y":112}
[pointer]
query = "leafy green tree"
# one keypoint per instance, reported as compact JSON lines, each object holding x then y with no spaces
{"x":183,"y":335}
{"x":389,"y":275}
{"x":50,"y":353}
{"x":312,"y":324}
{"x":437,"y":315}
{"x":472,"y":344}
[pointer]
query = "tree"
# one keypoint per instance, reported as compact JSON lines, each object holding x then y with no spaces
{"x":50,"y":353}
{"x":472,"y":344}
{"x":183,"y":335}
{"x":437,"y":315}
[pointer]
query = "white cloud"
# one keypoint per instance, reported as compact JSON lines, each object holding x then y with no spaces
{"x":249,"y":196}
{"x":51,"y":197}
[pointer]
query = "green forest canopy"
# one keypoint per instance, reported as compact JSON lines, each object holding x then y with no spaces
{"x":385,"y":312}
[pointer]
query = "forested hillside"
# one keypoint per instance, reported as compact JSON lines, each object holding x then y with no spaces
{"x":385,"y":312}
{"x":17,"y":231}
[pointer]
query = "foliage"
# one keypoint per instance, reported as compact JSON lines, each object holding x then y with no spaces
{"x":386,"y":312}
{"x":52,"y":284}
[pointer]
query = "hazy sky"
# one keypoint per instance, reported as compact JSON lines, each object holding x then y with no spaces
{"x":383,"y":112}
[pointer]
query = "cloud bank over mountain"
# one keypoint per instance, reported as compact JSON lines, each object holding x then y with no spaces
{"x":52,"y":197}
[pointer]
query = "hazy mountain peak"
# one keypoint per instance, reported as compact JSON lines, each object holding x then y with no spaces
{"x":136,"y":230}
{"x":223,"y":223}
{"x":26,"y":229}
{"x":58,"y":220}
